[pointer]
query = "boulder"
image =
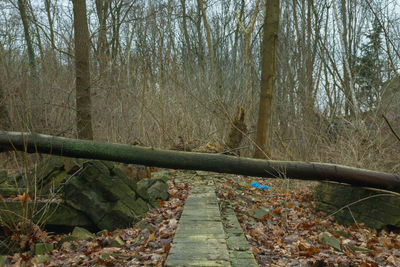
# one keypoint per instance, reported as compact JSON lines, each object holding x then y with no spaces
{"x":43,"y":248}
{"x":82,"y":234}
{"x":380,"y":212}
{"x":96,"y":195}
{"x":153,"y":188}
{"x":109,"y":197}
{"x":48,"y":175}
{"x":58,"y":217}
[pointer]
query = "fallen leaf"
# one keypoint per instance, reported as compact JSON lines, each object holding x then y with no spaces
{"x":24,"y":197}
{"x":152,"y":237}
{"x":331,"y":241}
{"x":167,"y":247}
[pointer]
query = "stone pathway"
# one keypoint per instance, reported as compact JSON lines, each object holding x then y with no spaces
{"x":201,"y":239}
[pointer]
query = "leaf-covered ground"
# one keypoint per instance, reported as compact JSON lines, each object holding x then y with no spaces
{"x":284,"y":230}
{"x":145,"y":244}
{"x":279,"y":223}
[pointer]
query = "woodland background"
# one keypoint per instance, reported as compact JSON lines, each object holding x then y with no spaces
{"x":168,"y":68}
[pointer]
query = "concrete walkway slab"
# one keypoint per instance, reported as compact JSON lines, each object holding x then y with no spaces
{"x":201,"y":240}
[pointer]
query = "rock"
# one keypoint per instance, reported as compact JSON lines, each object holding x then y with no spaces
{"x":153,"y":189}
{"x":58,"y":217}
{"x":159,"y":190}
{"x":82,"y":234}
{"x":381,"y":212}
{"x":71,"y":165}
{"x":43,"y":248}
{"x":142,"y":187}
{"x":259,"y":213}
{"x":118,"y":216}
{"x":48,"y":174}
{"x":99,"y":196}
{"x":116,"y":242}
{"x":109,"y":197}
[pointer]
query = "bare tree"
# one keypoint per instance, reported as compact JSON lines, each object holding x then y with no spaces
{"x":83,"y":99}
{"x":22,"y":4}
{"x":102,"y":7}
{"x":268,"y":74}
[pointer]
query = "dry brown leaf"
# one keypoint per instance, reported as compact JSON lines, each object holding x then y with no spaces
{"x":24,"y":197}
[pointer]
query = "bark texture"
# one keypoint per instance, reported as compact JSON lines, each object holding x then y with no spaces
{"x":268,"y":74}
{"x":39,"y":143}
{"x":83,"y":100}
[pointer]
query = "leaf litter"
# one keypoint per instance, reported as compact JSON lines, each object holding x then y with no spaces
{"x":284,"y":230}
{"x":145,"y":244}
{"x":280,"y":224}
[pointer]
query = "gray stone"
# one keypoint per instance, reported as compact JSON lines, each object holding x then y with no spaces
{"x":118,"y":216}
{"x":382,"y":212}
{"x":152,"y":189}
{"x":109,"y":197}
{"x":82,"y":234}
{"x":58,"y":217}
{"x":158,"y":190}
{"x":116,"y":242}
{"x":99,"y":196}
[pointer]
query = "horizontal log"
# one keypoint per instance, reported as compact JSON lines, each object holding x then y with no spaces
{"x":40,"y":143}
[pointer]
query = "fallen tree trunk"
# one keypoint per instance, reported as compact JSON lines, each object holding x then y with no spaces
{"x":39,"y":143}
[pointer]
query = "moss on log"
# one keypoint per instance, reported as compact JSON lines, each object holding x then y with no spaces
{"x":39,"y":143}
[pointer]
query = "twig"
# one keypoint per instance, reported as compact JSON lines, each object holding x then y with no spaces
{"x":391,"y":128}
{"x":284,"y":146}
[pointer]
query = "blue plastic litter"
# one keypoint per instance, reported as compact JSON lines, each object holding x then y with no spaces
{"x":255,"y":184}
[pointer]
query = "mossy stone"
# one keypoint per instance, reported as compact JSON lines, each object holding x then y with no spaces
{"x":116,"y":242}
{"x":43,"y":248}
{"x":82,"y":234}
{"x":118,"y":216}
{"x":158,"y":190}
{"x":380,"y":212}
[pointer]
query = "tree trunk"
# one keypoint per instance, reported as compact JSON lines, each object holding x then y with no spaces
{"x":102,"y":14}
{"x":268,"y":74}
{"x":5,"y":122}
{"x":200,"y":56}
{"x":185,"y":31}
{"x":247,"y":54}
{"x":40,"y":143}
{"x":50,"y":20}
{"x":83,"y":100}
{"x":31,"y":53}
{"x":208,"y":34}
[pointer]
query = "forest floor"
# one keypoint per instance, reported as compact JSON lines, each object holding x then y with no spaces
{"x":279,"y":223}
